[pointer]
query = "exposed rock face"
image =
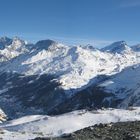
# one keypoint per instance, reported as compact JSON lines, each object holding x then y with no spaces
{"x":3,"y":116}
{"x":117,"y":131}
{"x":44,"y":44}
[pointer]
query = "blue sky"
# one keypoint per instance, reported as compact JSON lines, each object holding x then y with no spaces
{"x":98,"y":22}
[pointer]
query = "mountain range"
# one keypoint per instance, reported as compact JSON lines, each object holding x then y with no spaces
{"x":52,"y":78}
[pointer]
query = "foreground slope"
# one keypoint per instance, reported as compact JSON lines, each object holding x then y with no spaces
{"x":113,"y":131}
{"x":30,"y":127}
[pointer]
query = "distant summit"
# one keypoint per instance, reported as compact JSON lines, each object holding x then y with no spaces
{"x":44,"y":44}
{"x":5,"y":41}
{"x":136,"y":48}
{"x":117,"y":47}
{"x":15,"y":42}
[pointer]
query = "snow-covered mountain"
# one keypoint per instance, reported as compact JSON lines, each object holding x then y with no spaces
{"x":117,"y":47}
{"x":49,"y":76}
{"x":11,"y":48}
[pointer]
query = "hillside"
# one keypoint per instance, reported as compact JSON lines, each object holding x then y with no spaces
{"x":113,"y":131}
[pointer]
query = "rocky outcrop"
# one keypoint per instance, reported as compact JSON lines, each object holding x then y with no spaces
{"x":117,"y":131}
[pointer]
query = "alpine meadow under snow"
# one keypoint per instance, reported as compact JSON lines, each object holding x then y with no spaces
{"x":39,"y":82}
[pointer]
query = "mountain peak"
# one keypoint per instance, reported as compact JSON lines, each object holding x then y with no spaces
{"x":44,"y":44}
{"x":89,"y":47}
{"x":17,"y":43}
{"x":136,"y":48}
{"x":116,"y":47}
{"x":122,"y":42}
{"x":4,"y":38}
{"x":5,"y":41}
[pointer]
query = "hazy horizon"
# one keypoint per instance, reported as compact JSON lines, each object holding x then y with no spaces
{"x":72,"y":21}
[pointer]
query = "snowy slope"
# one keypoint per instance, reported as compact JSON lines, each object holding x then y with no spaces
{"x":29,"y":127}
{"x":125,"y":85}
